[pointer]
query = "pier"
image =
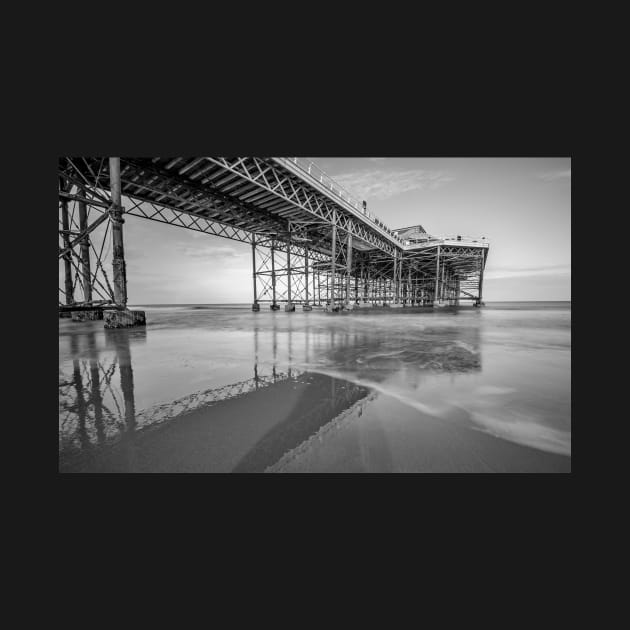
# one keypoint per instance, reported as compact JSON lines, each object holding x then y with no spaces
{"x":313,"y":244}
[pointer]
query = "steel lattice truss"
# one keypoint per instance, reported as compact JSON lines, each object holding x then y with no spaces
{"x":83,"y":238}
{"x":324,"y":250}
{"x":266,"y":175}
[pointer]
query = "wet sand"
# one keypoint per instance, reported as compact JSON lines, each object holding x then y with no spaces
{"x":222,"y":389}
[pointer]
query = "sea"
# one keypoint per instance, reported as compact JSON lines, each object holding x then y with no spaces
{"x":217,"y":388}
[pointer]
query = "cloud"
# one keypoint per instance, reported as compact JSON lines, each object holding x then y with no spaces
{"x":515,"y":272}
{"x":382,"y":184}
{"x":552,"y":176}
{"x":210,"y":253}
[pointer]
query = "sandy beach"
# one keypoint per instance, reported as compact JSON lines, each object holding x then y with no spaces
{"x":222,"y":389}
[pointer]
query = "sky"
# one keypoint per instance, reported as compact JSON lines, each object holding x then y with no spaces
{"x":521,"y":205}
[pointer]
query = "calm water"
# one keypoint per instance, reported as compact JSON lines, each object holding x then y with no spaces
{"x":222,"y":389}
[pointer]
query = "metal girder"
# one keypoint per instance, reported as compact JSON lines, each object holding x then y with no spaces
{"x":83,"y":235}
{"x":179,"y":218}
{"x":270,"y":177}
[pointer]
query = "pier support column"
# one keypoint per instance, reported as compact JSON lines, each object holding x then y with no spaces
{"x":255,"y":305}
{"x":307,"y":306}
{"x":122,"y":318}
{"x":273,"y":306}
{"x":289,"y":307}
{"x":67,"y":265}
{"x":86,"y":275}
{"x":348,"y":266}
{"x":480,"y":301}
{"x":334,"y":258}
{"x":436,"y":295}
{"x":115,"y":213}
{"x":365,"y":282}
{"x":395,"y":277}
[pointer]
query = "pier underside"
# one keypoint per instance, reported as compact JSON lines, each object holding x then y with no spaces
{"x":312,"y":244}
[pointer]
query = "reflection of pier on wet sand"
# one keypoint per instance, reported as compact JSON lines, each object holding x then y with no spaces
{"x":241,"y":427}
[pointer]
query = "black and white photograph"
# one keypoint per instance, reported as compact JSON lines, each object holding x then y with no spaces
{"x":314,"y":314}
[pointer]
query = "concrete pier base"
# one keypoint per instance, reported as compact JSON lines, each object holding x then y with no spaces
{"x":67,"y":314}
{"x":274,"y":307}
{"x":125,"y":319}
{"x":86,"y":316}
{"x":307,"y":307}
{"x":437,"y":304}
{"x":255,"y":307}
{"x":289,"y":307}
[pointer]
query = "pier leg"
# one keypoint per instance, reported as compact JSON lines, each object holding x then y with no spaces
{"x":319,"y":285}
{"x":480,"y":300}
{"x":122,"y":318}
{"x":395,"y":277}
{"x":306,"y":306}
{"x":334,"y":258}
{"x":255,"y":305}
{"x":348,"y":266}
{"x":85,"y":251}
{"x":67,"y":265}
{"x":436,"y":295}
{"x":289,"y":307}
{"x":365,"y":283}
{"x":86,"y":273}
{"x":120,"y":273}
{"x":274,"y":306}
